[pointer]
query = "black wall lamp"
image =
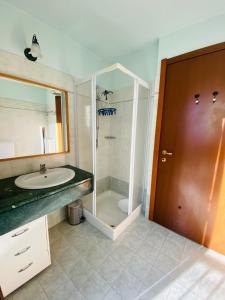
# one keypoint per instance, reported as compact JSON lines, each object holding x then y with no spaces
{"x":34,"y":52}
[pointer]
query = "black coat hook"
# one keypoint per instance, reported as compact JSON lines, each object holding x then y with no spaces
{"x":215,"y":94}
{"x":197,"y":98}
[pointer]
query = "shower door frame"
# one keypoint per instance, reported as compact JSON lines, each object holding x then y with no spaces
{"x":137,"y":82}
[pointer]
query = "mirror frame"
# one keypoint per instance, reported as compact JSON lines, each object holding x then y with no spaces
{"x":67,"y":115}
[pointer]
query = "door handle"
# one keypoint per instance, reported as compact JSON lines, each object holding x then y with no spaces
{"x":164,"y":152}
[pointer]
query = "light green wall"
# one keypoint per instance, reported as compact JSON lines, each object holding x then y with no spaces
{"x":143,"y":62}
{"x":12,"y":89}
{"x":59,"y":51}
{"x":146,"y":62}
{"x":193,"y":37}
{"x":115,"y":80}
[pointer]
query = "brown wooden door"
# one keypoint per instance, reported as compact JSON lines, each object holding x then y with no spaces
{"x":190,"y":188}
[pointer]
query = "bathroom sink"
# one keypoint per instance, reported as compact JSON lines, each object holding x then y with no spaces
{"x":52,"y":177}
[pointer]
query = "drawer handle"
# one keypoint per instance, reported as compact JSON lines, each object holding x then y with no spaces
{"x":28,"y":266}
{"x":20,"y":232}
{"x":22,"y":251}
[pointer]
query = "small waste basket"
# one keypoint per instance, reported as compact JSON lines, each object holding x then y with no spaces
{"x":75,"y":212}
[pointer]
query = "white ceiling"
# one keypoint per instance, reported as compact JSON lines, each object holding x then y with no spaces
{"x":112,"y":28}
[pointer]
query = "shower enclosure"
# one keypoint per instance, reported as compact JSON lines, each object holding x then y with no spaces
{"x":112,"y":122}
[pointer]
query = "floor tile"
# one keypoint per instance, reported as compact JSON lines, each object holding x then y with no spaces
{"x":154,"y":295}
{"x":95,"y":287}
{"x":108,"y":244}
{"x":95,"y":255}
{"x":131,"y":241}
{"x":219,"y":293}
{"x":157,"y":237}
{"x":139,"y":267}
{"x":64,"y":228}
{"x":146,"y":262}
{"x":112,"y":295}
{"x":69,"y":258}
{"x":173,"y":248}
{"x":140,"y":230}
{"x":127,"y":285}
{"x":81,"y":242}
{"x":122,"y":254}
{"x":191,"y":248}
{"x":191,"y":272}
{"x":59,"y":247}
{"x":76,"y":295}
{"x":31,"y":290}
{"x":56,"y":284}
{"x":110,"y":269}
{"x":177,"y":292}
{"x":153,"y":277}
{"x":80,"y":271}
{"x":148,"y":251}
{"x":208,"y":284}
{"x":165,"y":263}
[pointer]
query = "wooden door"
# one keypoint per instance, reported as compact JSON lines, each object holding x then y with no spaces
{"x":190,"y":187}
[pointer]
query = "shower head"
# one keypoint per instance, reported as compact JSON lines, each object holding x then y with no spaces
{"x":106,"y":93}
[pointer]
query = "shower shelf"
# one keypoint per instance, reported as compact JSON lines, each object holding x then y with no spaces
{"x":114,"y":102}
{"x":107,"y":111}
{"x":109,"y":137}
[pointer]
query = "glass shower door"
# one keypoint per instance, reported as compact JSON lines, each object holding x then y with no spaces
{"x":114,"y":108}
{"x":140,"y":146}
{"x":84,"y":134}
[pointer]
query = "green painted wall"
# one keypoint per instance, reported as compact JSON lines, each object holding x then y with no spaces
{"x":59,"y":51}
{"x":12,"y":89}
{"x":192,"y":38}
{"x":146,"y":62}
{"x":142,"y":62}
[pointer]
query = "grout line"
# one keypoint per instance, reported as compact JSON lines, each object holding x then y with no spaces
{"x":166,"y":275}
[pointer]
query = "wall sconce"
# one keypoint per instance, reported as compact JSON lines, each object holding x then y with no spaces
{"x":34,"y":52}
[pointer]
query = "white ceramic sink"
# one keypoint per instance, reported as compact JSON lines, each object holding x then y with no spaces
{"x":52,"y":177}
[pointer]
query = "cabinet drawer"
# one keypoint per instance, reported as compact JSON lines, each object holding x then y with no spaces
{"x":16,"y":260}
{"x":24,"y":252}
{"x":32,"y":235}
{"x":18,"y":275}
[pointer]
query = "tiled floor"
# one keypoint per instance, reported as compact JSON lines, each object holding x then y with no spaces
{"x":146,"y":262}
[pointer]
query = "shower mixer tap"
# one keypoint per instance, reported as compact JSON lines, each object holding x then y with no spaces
{"x":106,"y":93}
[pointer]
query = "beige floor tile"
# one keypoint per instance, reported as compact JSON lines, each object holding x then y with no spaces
{"x":110,"y":269}
{"x":146,"y":262}
{"x":95,"y":287}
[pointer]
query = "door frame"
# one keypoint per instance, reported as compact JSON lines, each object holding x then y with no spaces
{"x":164,"y":64}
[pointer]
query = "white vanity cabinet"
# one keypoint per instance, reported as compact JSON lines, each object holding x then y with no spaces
{"x":24,"y":252}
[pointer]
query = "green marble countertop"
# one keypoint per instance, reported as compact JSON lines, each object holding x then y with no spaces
{"x":20,"y":206}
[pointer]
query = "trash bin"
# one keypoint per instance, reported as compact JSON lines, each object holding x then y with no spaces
{"x":75,"y":212}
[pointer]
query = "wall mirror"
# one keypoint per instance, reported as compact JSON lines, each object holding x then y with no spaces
{"x":33,"y":119}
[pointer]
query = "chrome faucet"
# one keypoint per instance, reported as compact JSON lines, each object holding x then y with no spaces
{"x":43,"y":169}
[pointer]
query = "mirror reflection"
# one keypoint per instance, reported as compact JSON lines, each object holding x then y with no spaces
{"x":33,"y":119}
